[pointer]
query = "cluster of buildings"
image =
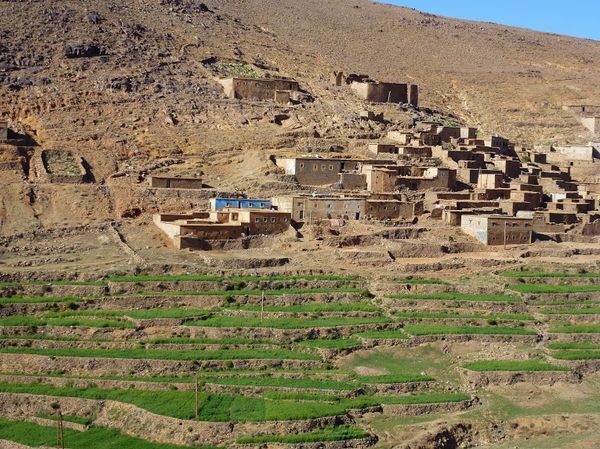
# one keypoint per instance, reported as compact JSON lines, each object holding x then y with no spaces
{"x":227,"y":219}
{"x":284,"y":90}
{"x":493,"y":191}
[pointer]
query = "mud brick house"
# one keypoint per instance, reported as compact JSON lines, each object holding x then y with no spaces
{"x":310,"y":208}
{"x":592,"y":124}
{"x":393,"y":209}
{"x":239,"y":203}
{"x":566,"y":154}
{"x":382,"y":148}
{"x":376,"y":92}
{"x":175,"y":182}
{"x":191,"y":230}
{"x":259,"y":89}
{"x":3,"y":131}
{"x":317,"y":171}
{"x":498,"y":229}
{"x":429,"y":178}
{"x":305,"y":207}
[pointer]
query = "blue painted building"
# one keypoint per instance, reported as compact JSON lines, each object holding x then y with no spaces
{"x":239,"y":203}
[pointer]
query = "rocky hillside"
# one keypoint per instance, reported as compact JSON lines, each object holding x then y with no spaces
{"x":123,"y":82}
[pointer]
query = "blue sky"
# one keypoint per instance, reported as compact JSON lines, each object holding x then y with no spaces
{"x":579,"y":18}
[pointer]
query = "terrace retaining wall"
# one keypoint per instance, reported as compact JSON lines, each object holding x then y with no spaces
{"x":483,"y":379}
{"x":88,"y":366}
{"x":356,"y":443}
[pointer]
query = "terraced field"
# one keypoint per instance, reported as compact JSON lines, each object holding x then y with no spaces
{"x":250,"y":360}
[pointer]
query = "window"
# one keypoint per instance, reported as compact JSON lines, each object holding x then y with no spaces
{"x":315,"y":167}
{"x":331,"y":168}
{"x":257,"y":220}
{"x":265,"y":220}
{"x":273,"y":219}
{"x":285,"y":220}
{"x":302,"y":165}
{"x":323,"y":167}
{"x":250,"y":205}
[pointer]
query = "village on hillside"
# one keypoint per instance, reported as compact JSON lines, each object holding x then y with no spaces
{"x":491,"y":189}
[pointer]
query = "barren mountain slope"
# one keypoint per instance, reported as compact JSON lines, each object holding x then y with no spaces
{"x":504,"y":79}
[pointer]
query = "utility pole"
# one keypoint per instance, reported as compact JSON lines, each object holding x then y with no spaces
{"x":504,"y":234}
{"x":60,"y":435}
{"x":262,"y":305}
{"x":196,"y":396}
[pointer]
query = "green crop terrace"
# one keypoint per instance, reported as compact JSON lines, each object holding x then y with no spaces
{"x":230,"y":407}
{"x":158,"y":354}
{"x":455,"y":296}
{"x":513,"y":365}
{"x":439,"y":329}
{"x":35,"y":435}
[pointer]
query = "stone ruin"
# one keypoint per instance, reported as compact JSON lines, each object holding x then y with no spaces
{"x":60,"y":167}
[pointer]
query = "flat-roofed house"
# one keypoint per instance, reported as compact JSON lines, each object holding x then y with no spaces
{"x":498,"y":229}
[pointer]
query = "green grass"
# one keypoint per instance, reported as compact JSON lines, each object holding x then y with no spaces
{"x":63,"y":322}
{"x":35,"y":435}
{"x":339,"y":433}
{"x":54,"y":282}
{"x":338,"y":343}
{"x":395,"y":379}
{"x":577,"y":355}
{"x":584,"y":311}
{"x":512,"y":365}
{"x":541,"y":274}
{"x":209,"y":341}
{"x":438,"y":329}
{"x":565,"y":303}
{"x":576,"y":329}
{"x":574,"y":346}
{"x":556,"y":289}
{"x":315,"y":307}
{"x":383,"y":335}
{"x":159,"y":354}
{"x":284,"y":382}
{"x":287,"y":323}
{"x":140,"y":314}
{"x":454,"y":315}
{"x":454,"y":296}
{"x":258,"y":292}
{"x":228,"y":408}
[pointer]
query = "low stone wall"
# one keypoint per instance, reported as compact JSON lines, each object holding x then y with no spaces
{"x":256,"y":390}
{"x":424,"y":409}
{"x":483,"y":379}
{"x":5,"y":444}
{"x":408,"y":387}
{"x":416,"y":341}
{"x":100,"y":383}
{"x":200,"y":286}
{"x":53,"y":290}
{"x":243,"y":263}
